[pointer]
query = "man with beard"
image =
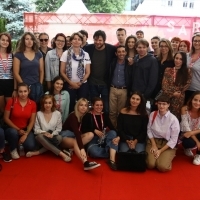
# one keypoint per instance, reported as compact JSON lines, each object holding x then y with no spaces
{"x":101,"y":55}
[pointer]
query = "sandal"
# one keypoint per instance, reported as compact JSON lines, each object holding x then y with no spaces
{"x":112,"y":165}
{"x":67,"y":152}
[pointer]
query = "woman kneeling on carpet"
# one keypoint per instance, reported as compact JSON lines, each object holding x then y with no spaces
{"x":163,"y":130}
{"x":190,"y":126}
{"x":132,"y":124}
{"x":48,"y":124}
{"x":20,"y":115}
{"x":105,"y":141}
{"x":73,"y":137}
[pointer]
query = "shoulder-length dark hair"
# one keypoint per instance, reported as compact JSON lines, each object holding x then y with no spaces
{"x":9,"y":48}
{"x":141,"y":109}
{"x":182,"y":74}
{"x":47,"y":96}
{"x":53,"y":82}
{"x":22,"y":47}
{"x":189,"y":103}
{"x":126,"y":44}
{"x":55,"y":38}
{"x":170,"y":53}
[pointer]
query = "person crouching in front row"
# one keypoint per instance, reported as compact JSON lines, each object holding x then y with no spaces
{"x":163,"y":130}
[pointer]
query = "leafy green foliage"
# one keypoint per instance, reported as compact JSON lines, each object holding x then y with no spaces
{"x":105,"y":6}
{"x":48,"y":5}
{"x":12,"y":11}
{"x":2,"y":25}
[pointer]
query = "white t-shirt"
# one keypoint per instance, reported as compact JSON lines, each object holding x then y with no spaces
{"x":75,"y":63}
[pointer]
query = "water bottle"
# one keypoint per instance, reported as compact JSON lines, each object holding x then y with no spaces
{"x":21,"y":150}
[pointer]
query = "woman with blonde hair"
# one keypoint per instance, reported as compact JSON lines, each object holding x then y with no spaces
{"x":28,"y":65}
{"x":73,"y":137}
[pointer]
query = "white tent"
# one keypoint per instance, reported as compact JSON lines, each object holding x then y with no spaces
{"x":73,"y":7}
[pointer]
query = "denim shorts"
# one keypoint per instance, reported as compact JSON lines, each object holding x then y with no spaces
{"x":67,"y":133}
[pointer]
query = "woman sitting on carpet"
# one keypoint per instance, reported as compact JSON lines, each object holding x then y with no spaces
{"x":20,"y":115}
{"x":100,"y":125}
{"x":163,"y":130}
{"x":190,"y":126}
{"x":47,"y":127}
{"x":73,"y":137}
{"x":132,"y":124}
{"x":61,"y":96}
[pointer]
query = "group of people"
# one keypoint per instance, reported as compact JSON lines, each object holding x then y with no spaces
{"x":45,"y":94}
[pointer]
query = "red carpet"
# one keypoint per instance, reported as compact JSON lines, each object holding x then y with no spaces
{"x":48,"y":177}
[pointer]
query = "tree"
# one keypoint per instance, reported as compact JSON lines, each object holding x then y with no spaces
{"x":105,"y":6}
{"x":12,"y":11}
{"x":2,"y":25}
{"x":48,"y":5}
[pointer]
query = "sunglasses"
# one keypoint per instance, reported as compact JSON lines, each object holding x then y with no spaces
{"x":42,"y":40}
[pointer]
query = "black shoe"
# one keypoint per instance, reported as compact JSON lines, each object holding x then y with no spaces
{"x":90,"y":165}
{"x":6,"y":157}
{"x":112,"y":165}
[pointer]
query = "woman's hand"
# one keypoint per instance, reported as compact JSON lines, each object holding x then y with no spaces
{"x":83,"y":154}
{"x":177,"y":94}
{"x":157,"y":153}
{"x":115,"y":141}
{"x":130,"y":61}
{"x":99,"y":133}
{"x":14,"y":94}
{"x":49,"y":135}
{"x":153,"y":149}
{"x":21,"y":132}
{"x":22,"y":139}
{"x":74,"y":85}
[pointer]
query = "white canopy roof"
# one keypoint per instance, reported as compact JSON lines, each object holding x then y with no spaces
{"x":73,"y":7}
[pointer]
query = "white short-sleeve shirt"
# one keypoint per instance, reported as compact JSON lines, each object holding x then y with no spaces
{"x":75,"y":63}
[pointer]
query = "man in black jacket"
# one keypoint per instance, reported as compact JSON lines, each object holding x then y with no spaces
{"x":145,"y":70}
{"x":101,"y":55}
{"x":119,"y":83}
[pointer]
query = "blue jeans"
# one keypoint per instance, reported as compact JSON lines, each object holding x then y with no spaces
{"x":2,"y":139}
{"x":123,"y":146}
{"x":12,"y":137}
{"x":94,"y":150}
{"x":190,"y":143}
{"x":76,"y":94}
{"x":36,"y":92}
{"x":100,"y":91}
{"x":67,"y":133}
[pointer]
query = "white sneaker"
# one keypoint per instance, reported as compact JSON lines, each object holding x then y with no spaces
{"x":14,"y":154}
{"x":196,"y":160}
{"x":188,"y":152}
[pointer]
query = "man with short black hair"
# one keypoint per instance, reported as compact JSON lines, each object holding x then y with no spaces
{"x":120,"y":71}
{"x":101,"y":55}
{"x":121,"y":36}
{"x":85,"y":37}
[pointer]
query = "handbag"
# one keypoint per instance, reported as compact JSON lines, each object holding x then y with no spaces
{"x":131,"y":161}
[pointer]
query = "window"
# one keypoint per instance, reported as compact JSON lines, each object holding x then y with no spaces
{"x":185,"y":3}
{"x":170,"y":3}
{"x":191,"y":5}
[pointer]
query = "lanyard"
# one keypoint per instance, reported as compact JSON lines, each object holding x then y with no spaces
{"x":5,"y":64}
{"x":95,"y":120}
{"x":191,"y":64}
